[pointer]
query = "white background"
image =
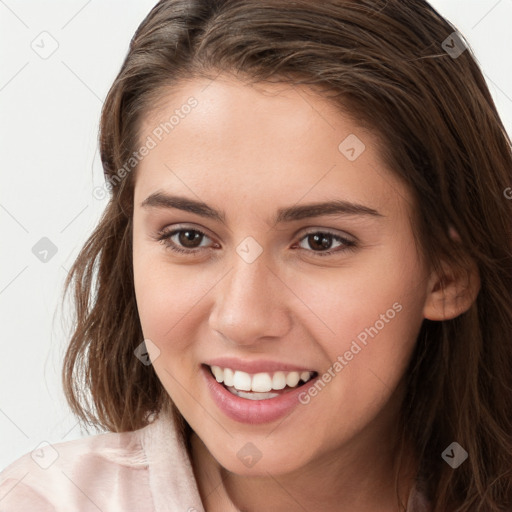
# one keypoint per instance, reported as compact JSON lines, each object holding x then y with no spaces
{"x":49,"y":113}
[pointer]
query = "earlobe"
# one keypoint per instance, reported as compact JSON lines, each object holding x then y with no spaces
{"x":451,"y":291}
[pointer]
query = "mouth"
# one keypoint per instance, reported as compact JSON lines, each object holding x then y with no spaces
{"x":262,"y":385}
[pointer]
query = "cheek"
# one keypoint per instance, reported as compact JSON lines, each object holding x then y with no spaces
{"x":167,"y":297}
{"x":370,"y":315}
{"x":169,"y":302}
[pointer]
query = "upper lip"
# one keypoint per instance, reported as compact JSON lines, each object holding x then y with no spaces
{"x":256,"y":366}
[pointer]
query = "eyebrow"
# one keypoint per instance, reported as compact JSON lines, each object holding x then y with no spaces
{"x":288,"y":214}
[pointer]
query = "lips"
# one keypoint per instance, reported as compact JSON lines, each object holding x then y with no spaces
{"x":256,"y":397}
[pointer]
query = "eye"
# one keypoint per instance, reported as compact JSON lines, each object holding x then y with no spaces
{"x":187,"y":240}
{"x":319,"y":241}
{"x":183,"y":240}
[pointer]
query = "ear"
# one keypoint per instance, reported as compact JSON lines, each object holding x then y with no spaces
{"x":451,"y":291}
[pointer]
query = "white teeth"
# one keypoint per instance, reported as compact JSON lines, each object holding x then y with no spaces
{"x":218,"y":373}
{"x":260,"y":382}
{"x":228,"y":376}
{"x":292,"y":379}
{"x":279,"y":380}
{"x":304,"y":376}
{"x":242,"y":381}
{"x":253,"y":396}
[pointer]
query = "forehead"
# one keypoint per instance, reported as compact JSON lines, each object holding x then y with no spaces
{"x":259,"y":145}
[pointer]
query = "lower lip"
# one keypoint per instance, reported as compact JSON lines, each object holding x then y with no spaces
{"x":252,"y":411}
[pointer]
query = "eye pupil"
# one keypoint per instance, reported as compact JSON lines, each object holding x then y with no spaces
{"x":187,"y":238}
{"x":319,"y":241}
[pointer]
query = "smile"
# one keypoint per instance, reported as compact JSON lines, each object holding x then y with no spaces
{"x":257,"y":391}
{"x":260,"y":386}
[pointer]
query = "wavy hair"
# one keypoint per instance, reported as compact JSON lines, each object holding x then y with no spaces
{"x":387,"y":64}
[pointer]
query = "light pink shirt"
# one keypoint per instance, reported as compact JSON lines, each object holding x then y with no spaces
{"x":147,"y":470}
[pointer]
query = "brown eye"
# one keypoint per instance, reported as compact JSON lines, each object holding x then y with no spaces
{"x":321,"y":243}
{"x":189,"y":238}
{"x":184,"y":240}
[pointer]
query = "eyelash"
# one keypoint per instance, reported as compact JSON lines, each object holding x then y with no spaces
{"x":164,"y":236}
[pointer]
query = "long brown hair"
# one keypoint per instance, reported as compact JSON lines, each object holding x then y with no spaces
{"x":387,"y":64}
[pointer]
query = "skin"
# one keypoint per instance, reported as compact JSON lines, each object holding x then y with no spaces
{"x":249,"y":150}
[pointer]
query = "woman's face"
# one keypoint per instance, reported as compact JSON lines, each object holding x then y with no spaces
{"x":298,"y":262}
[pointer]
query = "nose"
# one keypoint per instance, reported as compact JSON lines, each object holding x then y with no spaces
{"x":250,"y":304}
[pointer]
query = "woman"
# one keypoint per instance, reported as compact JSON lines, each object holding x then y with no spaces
{"x":299,"y":295}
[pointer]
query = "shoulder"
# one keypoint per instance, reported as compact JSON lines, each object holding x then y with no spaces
{"x":74,"y":474}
